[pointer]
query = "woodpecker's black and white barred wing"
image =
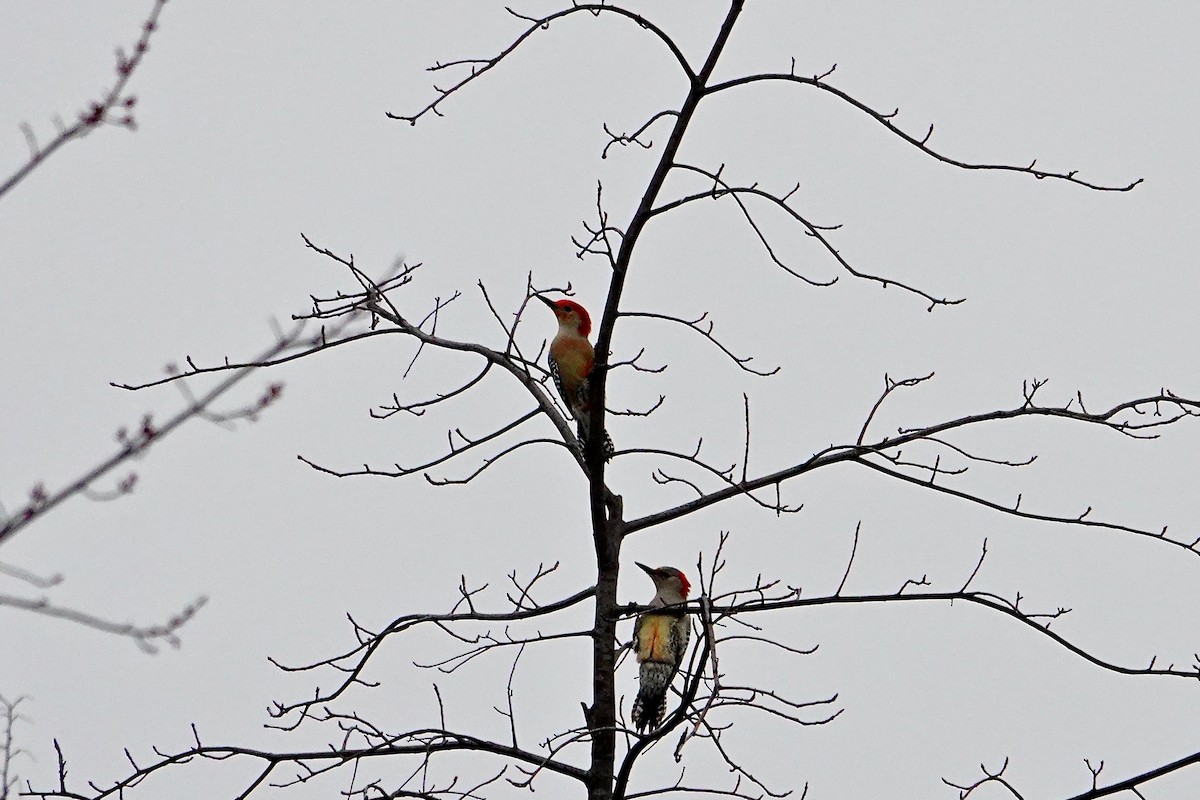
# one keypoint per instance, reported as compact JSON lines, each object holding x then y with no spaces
{"x":583,"y":419}
{"x":558,"y":384}
{"x":577,"y":408}
{"x":681,"y":634}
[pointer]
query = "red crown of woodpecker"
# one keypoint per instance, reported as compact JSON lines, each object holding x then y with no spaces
{"x":566,"y":307}
{"x":684,"y":585}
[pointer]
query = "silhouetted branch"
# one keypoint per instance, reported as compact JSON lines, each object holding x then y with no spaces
{"x":418,"y":408}
{"x":710,"y":642}
{"x":889,"y":386}
{"x":725,"y":475}
{"x":634,"y":412}
{"x":626,"y":139}
{"x":921,"y":144}
{"x":374,"y":300}
{"x":311,"y":763}
{"x":849,"y":561}
{"x":491,"y":461}
{"x":485,"y":643}
{"x":997,"y":778}
{"x":990,"y":777}
{"x":598,"y":243}
{"x":1110,"y":419}
{"x":523,"y":601}
{"x":722,"y":189}
{"x":1016,"y":511}
{"x":1131,"y":784}
{"x":986,"y":600}
{"x":705,"y":330}
{"x":374,"y":791}
{"x":736,"y":791}
{"x":352,"y":662}
{"x":479,"y":66}
{"x":467,"y":443}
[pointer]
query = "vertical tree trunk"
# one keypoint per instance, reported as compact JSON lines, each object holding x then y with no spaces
{"x":608,"y":525}
{"x":602,"y":718}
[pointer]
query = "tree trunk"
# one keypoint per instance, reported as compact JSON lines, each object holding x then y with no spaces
{"x":602,"y":717}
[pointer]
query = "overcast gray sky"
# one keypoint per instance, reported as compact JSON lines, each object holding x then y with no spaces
{"x":126,"y":252}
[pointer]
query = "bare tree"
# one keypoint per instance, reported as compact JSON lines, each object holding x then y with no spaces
{"x":374,"y":758}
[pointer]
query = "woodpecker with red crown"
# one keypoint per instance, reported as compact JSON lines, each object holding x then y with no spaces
{"x":571,"y":359}
{"x":660,"y":640}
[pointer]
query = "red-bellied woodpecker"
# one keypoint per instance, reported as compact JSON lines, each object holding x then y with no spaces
{"x":660,"y":639}
{"x":571,"y":358}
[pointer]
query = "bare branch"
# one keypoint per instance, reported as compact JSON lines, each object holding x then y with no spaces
{"x":417,"y":742}
{"x":133,"y":445}
{"x":725,"y":475}
{"x":887,"y":120}
{"x":418,"y":408}
{"x":850,"y":561}
{"x":8,"y":745}
{"x":723,"y":189}
{"x":24,"y":575}
{"x":146,"y":638}
{"x":1016,"y":511}
{"x":983,"y":599}
{"x":352,"y":662}
{"x":856,"y":453}
{"x":115,"y":108}
{"x":889,"y":386}
{"x":978,"y":564}
{"x":990,"y":777}
{"x":375,"y":301}
{"x":1131,"y":784}
{"x":479,"y":66}
{"x":468,"y":443}
{"x":598,"y":242}
{"x":626,"y":139}
{"x":705,"y":330}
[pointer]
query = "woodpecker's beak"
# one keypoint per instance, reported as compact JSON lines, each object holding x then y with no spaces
{"x":648,"y":570}
{"x":547,"y":302}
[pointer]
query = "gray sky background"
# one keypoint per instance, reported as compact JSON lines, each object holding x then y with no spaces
{"x":126,"y":252}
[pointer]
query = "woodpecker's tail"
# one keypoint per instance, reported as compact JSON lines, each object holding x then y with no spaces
{"x":582,"y":426}
{"x":651,"y":704}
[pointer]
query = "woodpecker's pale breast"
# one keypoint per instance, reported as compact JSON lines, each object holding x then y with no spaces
{"x":574,"y":356}
{"x":654,"y":638}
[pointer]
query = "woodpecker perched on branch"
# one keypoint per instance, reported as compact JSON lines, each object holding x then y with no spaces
{"x":571,"y":359}
{"x":660,"y":639}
